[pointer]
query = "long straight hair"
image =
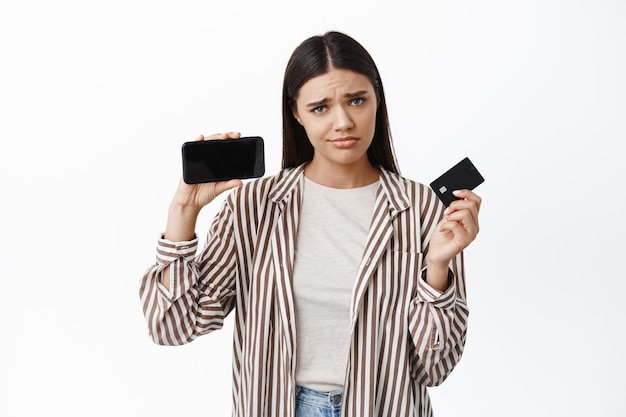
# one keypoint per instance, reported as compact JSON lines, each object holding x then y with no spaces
{"x":316,"y":56}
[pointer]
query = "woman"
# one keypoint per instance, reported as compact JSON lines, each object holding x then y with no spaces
{"x":346,"y":279}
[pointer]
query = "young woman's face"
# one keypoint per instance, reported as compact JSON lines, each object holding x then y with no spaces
{"x":338,"y":112}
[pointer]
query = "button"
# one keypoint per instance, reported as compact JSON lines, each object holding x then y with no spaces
{"x":336,"y":399}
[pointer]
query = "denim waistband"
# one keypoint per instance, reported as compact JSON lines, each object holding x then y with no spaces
{"x":330,"y":400}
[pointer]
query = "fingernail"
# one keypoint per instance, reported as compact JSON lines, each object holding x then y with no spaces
{"x":456,"y":192}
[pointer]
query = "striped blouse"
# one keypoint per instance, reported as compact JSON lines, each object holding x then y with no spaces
{"x":405,"y":335}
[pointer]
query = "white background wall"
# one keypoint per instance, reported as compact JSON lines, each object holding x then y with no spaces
{"x":97,"y":97}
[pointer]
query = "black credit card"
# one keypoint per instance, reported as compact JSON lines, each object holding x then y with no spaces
{"x":463,"y":175}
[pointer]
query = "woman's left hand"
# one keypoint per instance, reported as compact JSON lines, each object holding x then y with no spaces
{"x":456,"y":230}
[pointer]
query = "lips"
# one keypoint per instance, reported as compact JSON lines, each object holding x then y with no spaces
{"x":344,"y":143}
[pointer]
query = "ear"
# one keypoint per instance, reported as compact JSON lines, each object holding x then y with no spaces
{"x":297,"y":117}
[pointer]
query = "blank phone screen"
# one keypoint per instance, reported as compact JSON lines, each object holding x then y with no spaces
{"x":219,"y":160}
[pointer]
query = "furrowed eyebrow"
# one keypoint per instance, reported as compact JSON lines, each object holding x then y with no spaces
{"x":356,"y":94}
{"x":347,"y":95}
{"x":317,"y":103}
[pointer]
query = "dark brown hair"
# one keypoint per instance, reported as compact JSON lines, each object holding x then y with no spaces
{"x":316,"y":56}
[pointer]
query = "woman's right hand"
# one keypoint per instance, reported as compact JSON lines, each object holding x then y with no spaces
{"x":196,"y":196}
{"x":189,"y":200}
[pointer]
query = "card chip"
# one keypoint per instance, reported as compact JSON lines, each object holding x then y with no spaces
{"x":443,"y":189}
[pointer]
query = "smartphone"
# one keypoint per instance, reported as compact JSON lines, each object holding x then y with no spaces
{"x":463,"y":175}
{"x":223,"y":159}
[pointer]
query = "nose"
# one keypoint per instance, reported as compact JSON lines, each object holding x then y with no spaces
{"x":343,"y":121}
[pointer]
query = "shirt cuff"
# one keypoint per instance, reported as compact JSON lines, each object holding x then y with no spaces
{"x":440,"y":299}
{"x":169,"y":251}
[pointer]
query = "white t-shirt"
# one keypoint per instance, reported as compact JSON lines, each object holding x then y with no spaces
{"x":332,"y":232}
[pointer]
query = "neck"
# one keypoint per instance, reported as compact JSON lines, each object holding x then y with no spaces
{"x":354,"y":175}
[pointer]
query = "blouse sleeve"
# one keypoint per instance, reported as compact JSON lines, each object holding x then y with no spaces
{"x":438,"y":326}
{"x":202,"y":286}
{"x":438,"y":320}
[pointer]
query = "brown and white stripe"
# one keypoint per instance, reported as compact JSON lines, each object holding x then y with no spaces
{"x":405,"y":335}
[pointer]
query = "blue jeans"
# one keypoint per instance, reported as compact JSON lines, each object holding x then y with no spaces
{"x":310,"y":403}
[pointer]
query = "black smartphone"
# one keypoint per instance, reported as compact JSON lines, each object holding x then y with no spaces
{"x":223,"y":159}
{"x":463,"y":175}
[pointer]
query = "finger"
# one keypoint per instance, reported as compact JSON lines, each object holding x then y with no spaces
{"x":461,"y":207}
{"x":461,"y":234}
{"x":472,"y":205}
{"x":466,"y":222}
{"x":230,"y":135}
{"x":227,"y":135}
{"x":222,"y":186}
{"x":468,"y":195}
{"x":455,"y":229}
{"x":216,"y":136}
{"x":467,"y":218}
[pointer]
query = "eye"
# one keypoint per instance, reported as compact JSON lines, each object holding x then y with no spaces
{"x":357,"y":101}
{"x":319,"y":109}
